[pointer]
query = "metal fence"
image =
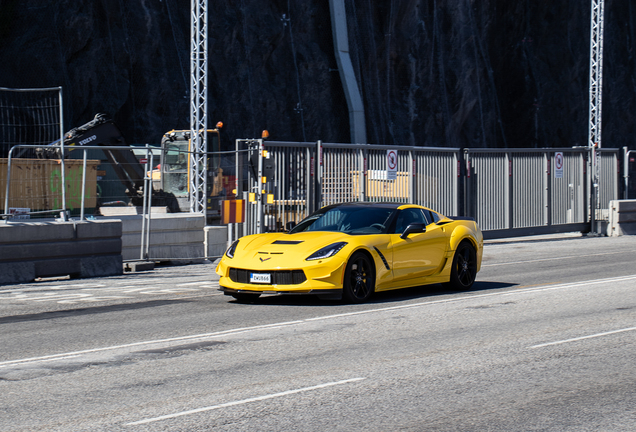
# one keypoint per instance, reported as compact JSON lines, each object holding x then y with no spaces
{"x":517,"y":190}
{"x":32,"y":117}
{"x":508,"y":191}
{"x":294,"y":179}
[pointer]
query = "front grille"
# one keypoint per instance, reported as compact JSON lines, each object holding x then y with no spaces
{"x":279,"y":277}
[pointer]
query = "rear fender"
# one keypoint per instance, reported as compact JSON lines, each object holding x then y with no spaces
{"x":460,"y":233}
{"x":463,"y":232}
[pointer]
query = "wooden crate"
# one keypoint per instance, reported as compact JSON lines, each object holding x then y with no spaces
{"x":37,"y":183}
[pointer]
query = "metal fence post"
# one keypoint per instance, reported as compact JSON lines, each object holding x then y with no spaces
{"x":83,"y":185}
{"x":547,"y":195}
{"x":63,"y":168}
{"x":318,"y":171}
{"x":626,"y":156}
{"x":309,"y":182}
{"x":459,"y":186}
{"x":259,"y":195}
{"x":362,"y":155}
{"x":468,"y":205}
{"x":411,"y":175}
{"x":510,"y":211}
{"x":6,"y":196}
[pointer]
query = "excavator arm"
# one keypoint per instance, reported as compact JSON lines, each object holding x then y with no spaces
{"x":102,"y":131}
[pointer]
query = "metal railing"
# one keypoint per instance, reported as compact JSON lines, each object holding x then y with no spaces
{"x":76,"y":183}
{"x":517,"y":191}
{"x":508,"y":191}
{"x":293,"y":179}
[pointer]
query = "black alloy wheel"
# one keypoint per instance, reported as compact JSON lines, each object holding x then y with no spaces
{"x":359,"y":280}
{"x":464,"y":268}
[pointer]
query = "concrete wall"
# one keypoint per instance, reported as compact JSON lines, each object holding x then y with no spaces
{"x":29,"y":250}
{"x":622,"y":218}
{"x":173,"y":237}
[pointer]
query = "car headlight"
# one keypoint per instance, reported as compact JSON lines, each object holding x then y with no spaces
{"x":327,"y":251}
{"x":230,"y":251}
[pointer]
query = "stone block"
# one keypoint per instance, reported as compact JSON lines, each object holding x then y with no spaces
{"x":98,"y":266}
{"x":98,"y":229}
{"x":30,"y":232}
{"x":17,"y":272}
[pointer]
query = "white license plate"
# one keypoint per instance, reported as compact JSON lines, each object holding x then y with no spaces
{"x":260,"y":278}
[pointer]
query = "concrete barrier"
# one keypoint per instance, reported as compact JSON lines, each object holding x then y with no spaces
{"x":29,"y":250}
{"x":622,"y":218}
{"x":215,"y":241}
{"x":173,"y":237}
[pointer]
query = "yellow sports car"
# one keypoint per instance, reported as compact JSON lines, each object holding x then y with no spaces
{"x":349,"y":251}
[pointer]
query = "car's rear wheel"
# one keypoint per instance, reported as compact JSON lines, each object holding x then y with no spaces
{"x":464,"y":268}
{"x":245,"y":297}
{"x":359,"y":279}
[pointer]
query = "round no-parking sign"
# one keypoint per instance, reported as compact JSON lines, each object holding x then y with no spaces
{"x":391,"y":164}
{"x":558,"y":165}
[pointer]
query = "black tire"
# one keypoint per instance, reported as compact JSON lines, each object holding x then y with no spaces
{"x":464,"y":268}
{"x":359,"y":279}
{"x":245,"y":297}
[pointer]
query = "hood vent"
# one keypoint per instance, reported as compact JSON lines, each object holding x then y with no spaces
{"x":288,"y":242}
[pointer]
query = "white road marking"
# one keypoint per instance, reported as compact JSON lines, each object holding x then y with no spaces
{"x":49,"y":360}
{"x":94,"y":293}
{"x":193,"y":283}
{"x":303,"y":321}
{"x":552,"y":259}
{"x":584,"y":337}
{"x":244,"y":401}
{"x":151,"y":342}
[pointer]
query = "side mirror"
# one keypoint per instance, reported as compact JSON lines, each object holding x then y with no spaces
{"x":290,"y":226}
{"x":415,"y":228}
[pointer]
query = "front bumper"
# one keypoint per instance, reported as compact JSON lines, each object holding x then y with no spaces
{"x":319,"y":278}
{"x":333,"y":294}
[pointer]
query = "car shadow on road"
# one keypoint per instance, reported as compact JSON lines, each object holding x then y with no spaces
{"x":393,"y":296}
{"x":426,"y":291}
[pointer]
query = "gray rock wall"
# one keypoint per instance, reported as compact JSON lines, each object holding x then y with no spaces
{"x":453,"y":73}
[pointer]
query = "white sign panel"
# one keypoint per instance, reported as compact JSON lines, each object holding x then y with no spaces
{"x":391,"y":164}
{"x":558,"y":165}
{"x":19,"y":213}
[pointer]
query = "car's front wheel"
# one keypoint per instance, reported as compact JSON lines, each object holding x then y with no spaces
{"x":359,"y":279}
{"x":464,"y":268}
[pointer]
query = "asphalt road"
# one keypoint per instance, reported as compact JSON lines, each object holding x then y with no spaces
{"x":545,"y":341}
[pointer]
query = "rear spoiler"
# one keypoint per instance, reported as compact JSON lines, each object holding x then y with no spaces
{"x":466,"y":218}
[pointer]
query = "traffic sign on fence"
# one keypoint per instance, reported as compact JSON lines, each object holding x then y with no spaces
{"x":558,"y":165}
{"x":391,"y":164}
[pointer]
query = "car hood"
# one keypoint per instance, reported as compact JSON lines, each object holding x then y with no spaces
{"x":294,"y":245}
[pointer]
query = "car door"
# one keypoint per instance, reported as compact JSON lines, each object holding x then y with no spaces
{"x":419,"y":254}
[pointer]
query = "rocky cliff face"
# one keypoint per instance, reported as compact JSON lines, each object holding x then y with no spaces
{"x":448,"y":73}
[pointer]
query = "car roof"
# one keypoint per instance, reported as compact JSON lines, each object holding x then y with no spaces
{"x":389,"y":205}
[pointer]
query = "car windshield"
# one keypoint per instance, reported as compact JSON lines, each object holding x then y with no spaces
{"x":348,"y":219}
